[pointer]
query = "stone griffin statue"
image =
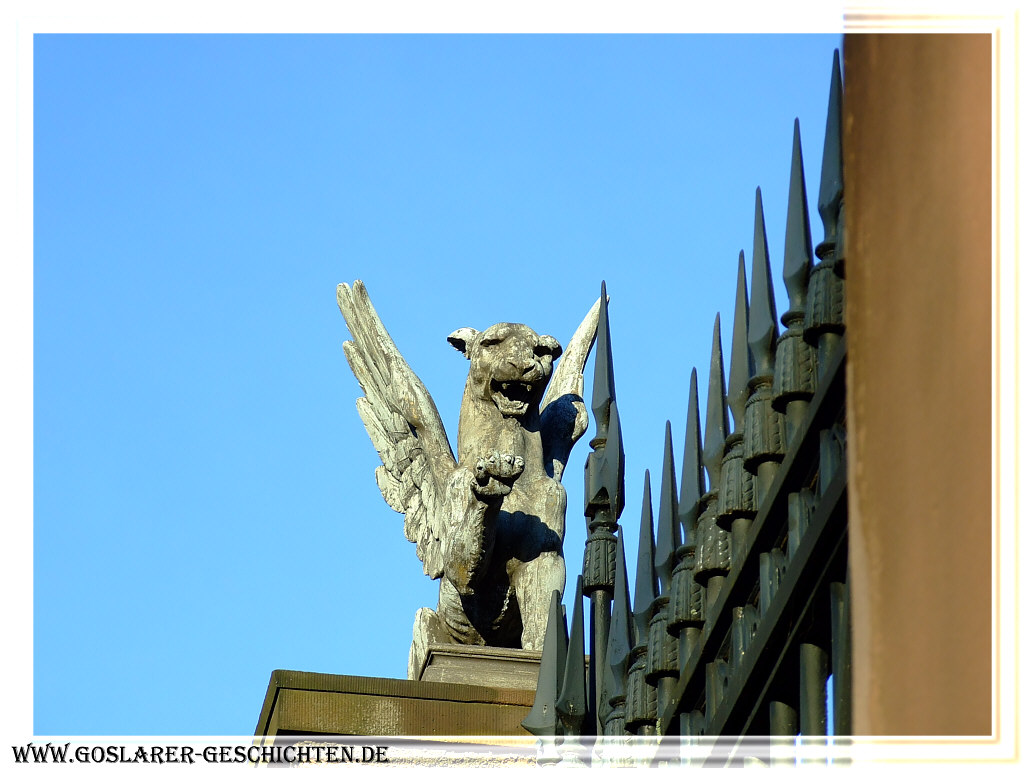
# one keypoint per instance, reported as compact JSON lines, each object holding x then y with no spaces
{"x":489,"y":524}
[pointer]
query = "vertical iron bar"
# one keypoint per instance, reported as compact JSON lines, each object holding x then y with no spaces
{"x":571,"y":705}
{"x":795,"y":362}
{"x":736,"y":502}
{"x":600,"y":621}
{"x":841,"y":682}
{"x":572,"y":697}
{"x":662,"y":647}
{"x":784,"y":709}
{"x":612,"y":703}
{"x":813,"y":675}
{"x":712,"y":540}
{"x":783,"y":718}
{"x":604,"y":483}
{"x":542,"y":719}
{"x":765,"y":429}
{"x":783,"y":721}
{"x":641,"y":696}
{"x":826,"y":293}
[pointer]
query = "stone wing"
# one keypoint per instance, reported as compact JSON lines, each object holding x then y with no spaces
{"x":404,"y":425}
{"x":563,"y":414}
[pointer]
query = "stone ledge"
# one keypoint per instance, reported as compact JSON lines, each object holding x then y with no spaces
{"x":312,"y":703}
{"x":481,"y":665}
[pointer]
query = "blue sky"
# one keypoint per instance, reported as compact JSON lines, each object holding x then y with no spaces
{"x":204,"y":503}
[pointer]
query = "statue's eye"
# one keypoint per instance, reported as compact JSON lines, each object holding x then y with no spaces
{"x":490,"y":341}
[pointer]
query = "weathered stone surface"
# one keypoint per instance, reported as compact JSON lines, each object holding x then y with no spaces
{"x":480,"y":665}
{"x":312,"y":703}
{"x":490,"y":524}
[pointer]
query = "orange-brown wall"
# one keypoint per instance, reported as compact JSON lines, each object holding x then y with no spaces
{"x":917,"y":152}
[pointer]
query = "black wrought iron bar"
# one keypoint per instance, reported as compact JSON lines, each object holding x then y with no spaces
{"x":764,"y":442}
{"x":826,"y":292}
{"x":663,"y":647}
{"x":612,"y":705}
{"x":676,"y":565}
{"x":841,"y":658}
{"x":641,"y":696}
{"x":736,"y":497}
{"x":713,"y":554}
{"x":542,"y":719}
{"x":571,"y":704}
{"x":784,"y":720}
{"x":822,"y":409}
{"x":814,"y":664}
{"x":605,"y":495}
{"x":796,"y":362}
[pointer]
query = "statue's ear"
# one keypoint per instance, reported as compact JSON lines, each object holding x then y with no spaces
{"x":462,"y":338}
{"x":551,"y":343}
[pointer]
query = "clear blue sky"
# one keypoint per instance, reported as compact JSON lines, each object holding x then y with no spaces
{"x":205,"y":508}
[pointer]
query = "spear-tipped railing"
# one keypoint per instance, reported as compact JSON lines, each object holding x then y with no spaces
{"x":605,"y":497}
{"x":741,"y":608}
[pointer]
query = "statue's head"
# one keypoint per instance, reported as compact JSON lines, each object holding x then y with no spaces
{"x":509,"y":365}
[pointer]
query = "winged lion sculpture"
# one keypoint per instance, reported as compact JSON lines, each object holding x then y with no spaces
{"x":490,"y":523}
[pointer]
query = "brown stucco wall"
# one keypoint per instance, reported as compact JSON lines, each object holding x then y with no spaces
{"x":917,"y":151}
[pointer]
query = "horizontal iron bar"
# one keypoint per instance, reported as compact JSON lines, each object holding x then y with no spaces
{"x":771,"y":519}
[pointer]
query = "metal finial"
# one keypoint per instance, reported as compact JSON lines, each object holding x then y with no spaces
{"x":668,"y":515}
{"x":715,"y":425}
{"x":693,"y":472}
{"x":620,"y":633}
{"x":605,"y":466}
{"x":646,"y":578}
{"x":739,"y":362}
{"x":571,"y":705}
{"x":831,"y":190}
{"x":764,"y":332}
{"x":542,"y":720}
{"x":797,"y":261}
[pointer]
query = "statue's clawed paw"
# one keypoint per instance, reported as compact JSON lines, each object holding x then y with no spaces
{"x":495,"y":474}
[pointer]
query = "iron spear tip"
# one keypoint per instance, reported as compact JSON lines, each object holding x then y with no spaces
{"x":796,"y":262}
{"x":542,"y":719}
{"x":571,"y":704}
{"x":605,"y":480}
{"x":716,"y":425}
{"x":620,"y":631}
{"x":603,"y":394}
{"x":646,"y":577}
{"x":739,"y":362}
{"x":763,"y":331}
{"x":668,"y":515}
{"x":760,"y":241}
{"x":692,"y":487}
{"x":831,"y":190}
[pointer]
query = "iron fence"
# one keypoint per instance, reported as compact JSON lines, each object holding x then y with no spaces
{"x":739,"y":621}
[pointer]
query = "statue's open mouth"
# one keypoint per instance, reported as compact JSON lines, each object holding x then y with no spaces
{"x":512,"y":397}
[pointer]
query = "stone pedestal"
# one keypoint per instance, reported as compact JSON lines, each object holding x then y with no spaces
{"x":481,"y":665}
{"x":309,"y":703}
